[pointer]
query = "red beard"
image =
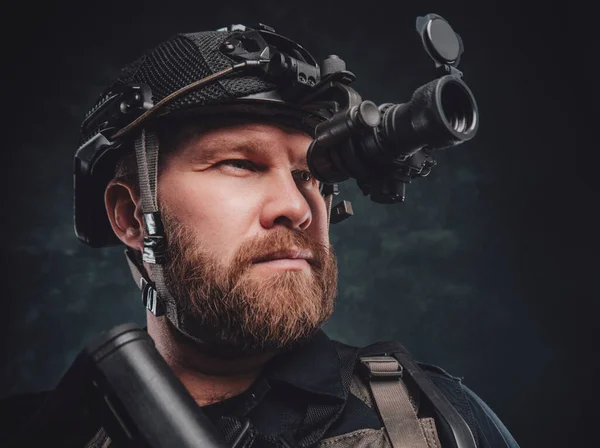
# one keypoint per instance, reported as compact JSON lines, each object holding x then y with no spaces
{"x":228,"y":308}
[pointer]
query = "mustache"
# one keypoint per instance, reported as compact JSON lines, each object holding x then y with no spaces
{"x":281,"y":241}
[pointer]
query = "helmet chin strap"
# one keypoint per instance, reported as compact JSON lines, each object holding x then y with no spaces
{"x":155,"y":294}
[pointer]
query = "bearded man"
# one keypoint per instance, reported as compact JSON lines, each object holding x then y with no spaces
{"x":248,"y":259}
{"x":196,"y":160}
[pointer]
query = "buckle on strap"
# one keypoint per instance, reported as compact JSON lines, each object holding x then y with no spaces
{"x":383,"y":367}
{"x":155,"y":243}
{"x":154,"y":249}
{"x":149,"y":296}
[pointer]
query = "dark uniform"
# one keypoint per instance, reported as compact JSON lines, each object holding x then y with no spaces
{"x":313,"y":395}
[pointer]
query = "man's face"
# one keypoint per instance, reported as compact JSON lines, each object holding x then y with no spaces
{"x":249,"y":259}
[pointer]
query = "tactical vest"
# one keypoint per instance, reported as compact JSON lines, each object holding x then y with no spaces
{"x":419,"y":405}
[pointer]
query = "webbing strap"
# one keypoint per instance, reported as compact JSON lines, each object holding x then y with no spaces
{"x":149,"y":294}
{"x":393,"y":402}
{"x":463,"y":434}
{"x":328,"y":200}
{"x":156,"y":296}
{"x":461,"y":431}
{"x":146,"y":154}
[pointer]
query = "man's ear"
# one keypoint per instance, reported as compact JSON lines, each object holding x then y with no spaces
{"x":125,"y":213}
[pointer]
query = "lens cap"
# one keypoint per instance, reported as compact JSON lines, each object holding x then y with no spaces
{"x":439,"y":39}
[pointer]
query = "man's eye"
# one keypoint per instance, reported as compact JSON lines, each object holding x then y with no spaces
{"x":304,"y":177}
{"x":242,"y":164}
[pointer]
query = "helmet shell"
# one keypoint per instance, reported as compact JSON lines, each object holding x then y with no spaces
{"x":161,"y":71}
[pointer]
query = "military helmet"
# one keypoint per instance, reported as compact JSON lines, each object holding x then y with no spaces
{"x":234,"y":70}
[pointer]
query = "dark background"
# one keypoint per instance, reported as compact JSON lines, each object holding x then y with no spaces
{"x":489,"y":269}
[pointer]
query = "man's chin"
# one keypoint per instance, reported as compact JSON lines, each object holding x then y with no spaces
{"x":226,"y":346}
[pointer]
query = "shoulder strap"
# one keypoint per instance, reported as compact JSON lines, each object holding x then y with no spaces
{"x":392,"y":401}
{"x":460,"y":430}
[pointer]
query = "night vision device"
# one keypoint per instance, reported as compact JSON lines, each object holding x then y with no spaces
{"x":385,"y":147}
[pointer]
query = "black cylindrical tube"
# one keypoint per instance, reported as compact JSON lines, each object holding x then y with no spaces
{"x":329,"y":157}
{"x":150,"y":404}
{"x":440,"y":114}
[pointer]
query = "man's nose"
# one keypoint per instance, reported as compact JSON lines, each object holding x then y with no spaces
{"x":285,"y":204}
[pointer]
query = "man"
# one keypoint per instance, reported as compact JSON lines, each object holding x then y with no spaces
{"x":201,"y":172}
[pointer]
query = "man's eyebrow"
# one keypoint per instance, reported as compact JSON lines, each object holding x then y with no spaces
{"x":214,"y":148}
{"x":209,"y":151}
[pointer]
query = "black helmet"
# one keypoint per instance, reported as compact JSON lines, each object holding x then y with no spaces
{"x":235,"y":69}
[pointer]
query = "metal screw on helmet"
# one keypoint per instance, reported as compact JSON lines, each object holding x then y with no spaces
{"x":227,"y":47}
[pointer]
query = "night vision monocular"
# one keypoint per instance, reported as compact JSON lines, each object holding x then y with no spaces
{"x":385,"y":147}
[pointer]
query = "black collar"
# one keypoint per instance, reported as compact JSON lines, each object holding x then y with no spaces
{"x":309,"y":392}
{"x":312,"y":367}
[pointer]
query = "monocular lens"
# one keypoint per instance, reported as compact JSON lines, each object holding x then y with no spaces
{"x":458,"y":107}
